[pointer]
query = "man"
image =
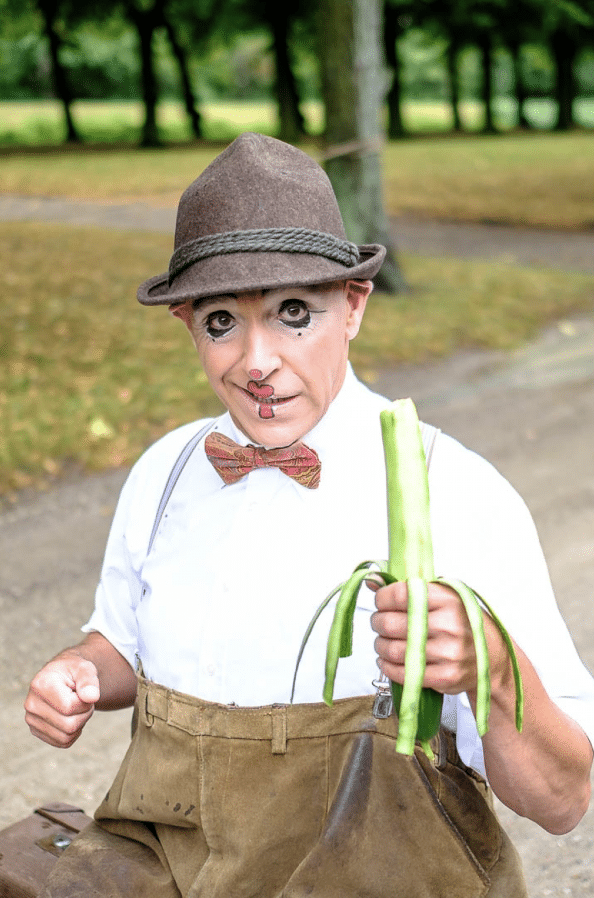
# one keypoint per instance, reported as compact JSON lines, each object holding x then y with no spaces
{"x":212,"y":575}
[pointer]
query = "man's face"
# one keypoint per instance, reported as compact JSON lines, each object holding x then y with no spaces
{"x":277,"y":358}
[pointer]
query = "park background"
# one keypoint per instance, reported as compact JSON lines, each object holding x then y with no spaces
{"x":487,"y":109}
{"x":492,"y":126}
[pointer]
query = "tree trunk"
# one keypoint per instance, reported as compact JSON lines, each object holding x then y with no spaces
{"x":564,"y":50}
{"x":48,"y":10}
{"x":353,"y":80}
{"x":519,"y":86}
{"x":486,"y":51}
{"x":292,"y":123}
{"x":392,"y":32}
{"x":454,"y":81}
{"x":145,"y":22}
{"x":181,"y":56}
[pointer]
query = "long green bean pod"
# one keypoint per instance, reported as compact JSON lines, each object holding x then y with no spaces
{"x":410,"y":555}
{"x":473,"y":602}
{"x":475,"y":617}
{"x":411,"y":559}
{"x":409,"y":695}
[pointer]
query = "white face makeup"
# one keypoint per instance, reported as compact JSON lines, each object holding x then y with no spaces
{"x":277,"y":359}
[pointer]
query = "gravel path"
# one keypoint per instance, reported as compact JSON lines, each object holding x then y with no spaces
{"x":530,"y":413}
{"x":524,"y":246}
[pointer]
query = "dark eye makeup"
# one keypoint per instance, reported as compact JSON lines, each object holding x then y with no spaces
{"x":294,"y":313}
{"x":219,"y":323}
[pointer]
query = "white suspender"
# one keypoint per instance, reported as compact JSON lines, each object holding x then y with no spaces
{"x":429,"y":435}
{"x":174,"y":477}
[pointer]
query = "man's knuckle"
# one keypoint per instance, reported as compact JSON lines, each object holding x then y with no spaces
{"x":70,"y":726}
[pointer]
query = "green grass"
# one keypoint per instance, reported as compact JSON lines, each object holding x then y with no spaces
{"x":541,"y":180}
{"x":538,"y":179}
{"x":41,"y":122}
{"x":88,"y":378}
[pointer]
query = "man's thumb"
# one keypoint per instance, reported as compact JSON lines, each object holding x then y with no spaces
{"x":88,"y":690}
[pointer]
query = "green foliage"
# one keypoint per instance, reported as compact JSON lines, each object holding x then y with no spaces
{"x":103,"y":66}
{"x":23,"y":67}
{"x":229,"y":44}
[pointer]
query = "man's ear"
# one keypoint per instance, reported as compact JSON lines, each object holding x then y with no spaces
{"x":184,"y":312}
{"x":357,"y":293}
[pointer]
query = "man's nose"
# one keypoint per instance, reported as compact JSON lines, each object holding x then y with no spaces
{"x":261,"y":356}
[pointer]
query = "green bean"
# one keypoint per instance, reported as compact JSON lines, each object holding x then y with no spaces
{"x":414,"y":665}
{"x":410,"y":559}
{"x":483,"y":682}
{"x":340,"y":639}
{"x":410,"y":545}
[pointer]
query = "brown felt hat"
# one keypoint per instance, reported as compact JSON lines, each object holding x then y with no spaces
{"x":263,"y":215}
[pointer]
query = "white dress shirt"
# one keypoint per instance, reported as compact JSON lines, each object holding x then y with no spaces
{"x":220,"y":606}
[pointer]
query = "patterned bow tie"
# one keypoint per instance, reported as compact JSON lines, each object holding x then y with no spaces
{"x":233,"y":461}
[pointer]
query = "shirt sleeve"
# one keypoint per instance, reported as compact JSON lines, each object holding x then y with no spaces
{"x":120,"y":585}
{"x":485,"y":536}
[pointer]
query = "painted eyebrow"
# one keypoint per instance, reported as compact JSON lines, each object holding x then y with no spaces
{"x":211,"y":300}
{"x":214,"y":300}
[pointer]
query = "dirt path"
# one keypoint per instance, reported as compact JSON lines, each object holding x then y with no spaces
{"x":524,"y":246}
{"x":531,"y":414}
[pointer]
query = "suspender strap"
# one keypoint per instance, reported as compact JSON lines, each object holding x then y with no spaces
{"x":429,"y":435}
{"x":174,"y":477}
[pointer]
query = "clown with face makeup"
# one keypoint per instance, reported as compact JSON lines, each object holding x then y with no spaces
{"x":230,"y":531}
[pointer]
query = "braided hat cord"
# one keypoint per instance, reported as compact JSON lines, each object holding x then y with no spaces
{"x":264,"y":240}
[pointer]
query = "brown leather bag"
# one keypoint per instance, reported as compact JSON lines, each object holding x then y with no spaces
{"x":30,"y":848}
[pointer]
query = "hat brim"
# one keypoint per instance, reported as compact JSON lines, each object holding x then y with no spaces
{"x":246,"y":272}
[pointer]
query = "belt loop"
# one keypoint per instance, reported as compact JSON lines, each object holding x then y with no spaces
{"x":149,"y":718}
{"x":279,"y":729}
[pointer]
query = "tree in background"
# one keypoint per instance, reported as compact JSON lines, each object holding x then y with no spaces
{"x":486,"y":16}
{"x":146,"y":18}
{"x":195,"y":21}
{"x":538,"y":45}
{"x":397,"y":18}
{"x":174,"y":16}
{"x":53,"y":28}
{"x":466,"y":23}
{"x":279,"y":18}
{"x":517,"y":31}
{"x":568,"y":25}
{"x":353,"y":88}
{"x":279,"y":21}
{"x":446,"y":20}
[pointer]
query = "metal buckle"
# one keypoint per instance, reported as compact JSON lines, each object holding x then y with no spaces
{"x":382,"y":705}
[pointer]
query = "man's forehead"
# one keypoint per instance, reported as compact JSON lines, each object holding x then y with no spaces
{"x":271,"y":295}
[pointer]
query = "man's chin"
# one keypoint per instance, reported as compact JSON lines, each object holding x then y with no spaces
{"x":272,"y":433}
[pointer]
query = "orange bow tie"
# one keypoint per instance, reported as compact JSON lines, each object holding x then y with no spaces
{"x":233,"y":461}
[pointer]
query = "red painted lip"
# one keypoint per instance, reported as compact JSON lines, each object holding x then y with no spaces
{"x":275,"y":401}
{"x":261,"y":392}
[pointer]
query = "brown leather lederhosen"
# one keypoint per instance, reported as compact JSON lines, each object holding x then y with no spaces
{"x":286,"y":801}
{"x":216,"y":801}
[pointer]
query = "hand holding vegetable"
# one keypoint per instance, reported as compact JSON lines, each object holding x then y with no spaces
{"x":431,"y":622}
{"x":451,"y":666}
